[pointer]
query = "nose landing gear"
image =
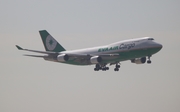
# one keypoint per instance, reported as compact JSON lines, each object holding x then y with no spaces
{"x":149,"y":60}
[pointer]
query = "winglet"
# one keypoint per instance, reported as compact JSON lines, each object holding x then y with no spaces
{"x":19,"y":48}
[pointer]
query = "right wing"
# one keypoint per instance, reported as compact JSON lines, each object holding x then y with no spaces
{"x":86,"y":58}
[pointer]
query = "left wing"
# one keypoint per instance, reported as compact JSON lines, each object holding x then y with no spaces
{"x":69,"y":54}
{"x":43,"y":52}
{"x":79,"y":58}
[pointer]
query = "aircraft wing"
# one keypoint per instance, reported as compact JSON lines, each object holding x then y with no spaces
{"x":43,"y":52}
{"x":85,"y":58}
{"x":80,"y":58}
{"x":69,"y":54}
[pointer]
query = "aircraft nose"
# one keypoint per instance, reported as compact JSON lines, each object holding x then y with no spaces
{"x":159,"y":45}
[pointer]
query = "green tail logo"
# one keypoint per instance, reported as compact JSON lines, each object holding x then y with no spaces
{"x":50,"y":44}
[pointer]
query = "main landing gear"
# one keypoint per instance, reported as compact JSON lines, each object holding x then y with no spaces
{"x":101,"y":67}
{"x":104,"y":68}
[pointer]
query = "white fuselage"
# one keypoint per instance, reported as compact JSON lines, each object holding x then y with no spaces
{"x":131,"y":44}
{"x":126,"y":50}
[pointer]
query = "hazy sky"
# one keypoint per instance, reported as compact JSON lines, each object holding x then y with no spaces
{"x":34,"y":85}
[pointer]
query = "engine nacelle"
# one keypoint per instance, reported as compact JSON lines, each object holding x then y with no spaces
{"x":139,"y":60}
{"x":95,"y":59}
{"x":62,"y":57}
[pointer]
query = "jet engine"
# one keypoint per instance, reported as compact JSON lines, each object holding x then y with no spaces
{"x":95,"y":59}
{"x":62,"y":57}
{"x":139,"y":60}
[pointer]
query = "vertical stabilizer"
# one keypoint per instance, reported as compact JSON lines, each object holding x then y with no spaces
{"x":50,"y":44}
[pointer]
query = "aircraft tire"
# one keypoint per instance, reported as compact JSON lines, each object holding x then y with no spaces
{"x":149,"y":61}
{"x":117,"y":66}
{"x":103,"y":69}
{"x":116,"y":69}
{"x":95,"y":69}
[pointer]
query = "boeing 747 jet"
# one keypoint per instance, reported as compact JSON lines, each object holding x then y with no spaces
{"x":138,"y":51}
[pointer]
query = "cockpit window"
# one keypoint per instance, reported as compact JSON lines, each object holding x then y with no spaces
{"x":150,"y":39}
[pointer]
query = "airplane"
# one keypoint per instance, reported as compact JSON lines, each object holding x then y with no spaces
{"x":137,"y":50}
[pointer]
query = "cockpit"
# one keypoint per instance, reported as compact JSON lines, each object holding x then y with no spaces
{"x":150,"y":39}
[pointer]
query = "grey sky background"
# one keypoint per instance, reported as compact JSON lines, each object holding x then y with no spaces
{"x":34,"y":85}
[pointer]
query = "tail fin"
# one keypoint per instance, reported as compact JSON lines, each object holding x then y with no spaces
{"x":50,"y":44}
